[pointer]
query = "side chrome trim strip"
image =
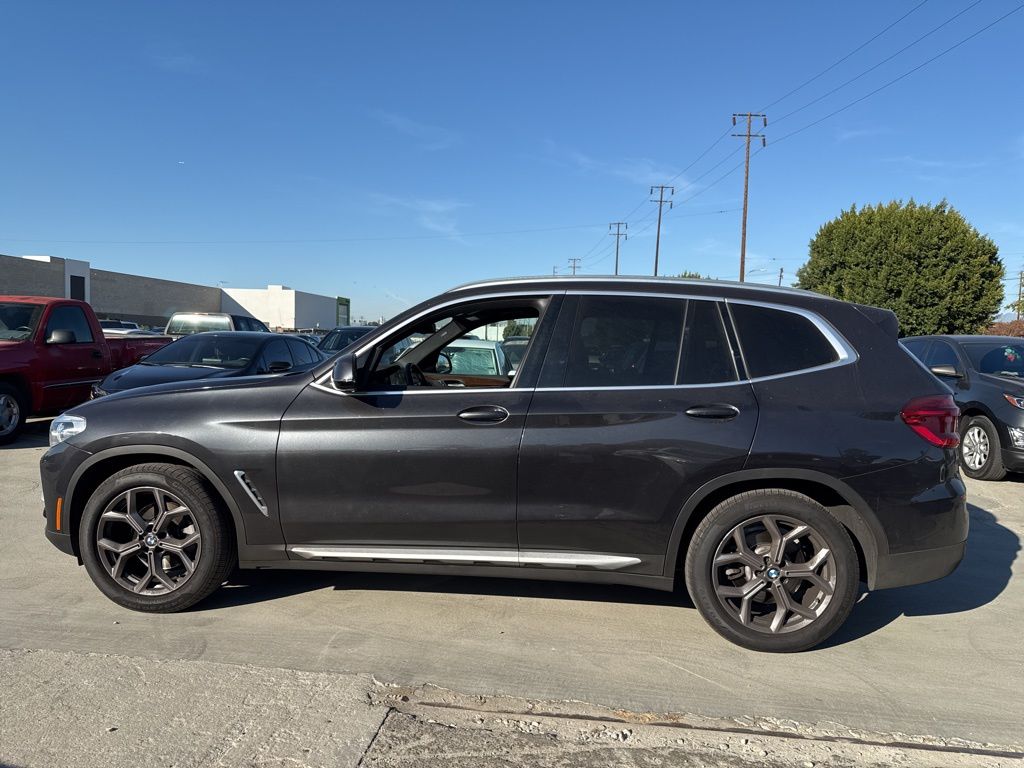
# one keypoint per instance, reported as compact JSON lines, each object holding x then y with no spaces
{"x":251,"y":492}
{"x":454,"y":555}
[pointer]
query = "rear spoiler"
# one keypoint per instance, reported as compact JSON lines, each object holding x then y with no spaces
{"x":883,"y":318}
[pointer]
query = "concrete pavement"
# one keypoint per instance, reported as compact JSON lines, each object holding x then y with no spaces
{"x":940,"y":660}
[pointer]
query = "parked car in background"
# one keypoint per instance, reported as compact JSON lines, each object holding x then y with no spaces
{"x":770,"y":447}
{"x":187,"y":323}
{"x":115,"y":327}
{"x":52,"y":351}
{"x":312,"y":338}
{"x":214,"y":356}
{"x":986,"y":375}
{"x":514,"y":348}
{"x":342,"y":336}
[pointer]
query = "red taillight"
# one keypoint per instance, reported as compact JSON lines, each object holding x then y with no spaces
{"x":934,"y":418}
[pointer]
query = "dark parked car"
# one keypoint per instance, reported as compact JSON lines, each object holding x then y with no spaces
{"x":986,"y":374}
{"x":209,"y":356}
{"x":340,"y":338}
{"x":770,"y":447}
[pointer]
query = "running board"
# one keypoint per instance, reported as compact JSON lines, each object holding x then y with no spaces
{"x":465,"y":556}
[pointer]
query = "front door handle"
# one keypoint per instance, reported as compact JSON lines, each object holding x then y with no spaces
{"x":484,"y":414}
{"x":720,"y":411}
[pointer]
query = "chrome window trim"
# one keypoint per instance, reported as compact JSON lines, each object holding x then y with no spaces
{"x":514,"y":557}
{"x":845,"y":352}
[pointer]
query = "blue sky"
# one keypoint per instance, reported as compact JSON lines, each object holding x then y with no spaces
{"x":386,"y":151}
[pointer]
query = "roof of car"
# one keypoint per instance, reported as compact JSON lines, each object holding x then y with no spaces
{"x":242,"y":335}
{"x":355,"y":328}
{"x":625,"y":282}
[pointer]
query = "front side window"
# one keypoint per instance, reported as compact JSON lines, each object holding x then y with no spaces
{"x":942,"y":354}
{"x":625,"y":342}
{"x":275,"y":351}
{"x":776,"y":341}
{"x":72,"y":319}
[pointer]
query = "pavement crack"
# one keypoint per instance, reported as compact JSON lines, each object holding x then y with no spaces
{"x":373,"y":739}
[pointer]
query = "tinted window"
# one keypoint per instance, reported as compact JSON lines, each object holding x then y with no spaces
{"x":276,"y":351}
{"x":917,"y":347}
{"x":77,"y":286}
{"x":775,"y":341}
{"x":339,"y":339}
{"x":302,"y":353}
{"x":707,"y":357}
{"x":70,"y":319}
{"x":998,"y":359}
{"x":625,"y":341}
{"x":941,"y":354}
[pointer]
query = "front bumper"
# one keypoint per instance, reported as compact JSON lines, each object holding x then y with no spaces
{"x":56,"y":468}
{"x":1013,"y":460}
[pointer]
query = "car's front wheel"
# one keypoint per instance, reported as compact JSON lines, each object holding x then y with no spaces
{"x":980,"y":450}
{"x":772,"y":570}
{"x":153,"y":538}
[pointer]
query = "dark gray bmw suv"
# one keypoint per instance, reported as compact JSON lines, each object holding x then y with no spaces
{"x":772,"y":448}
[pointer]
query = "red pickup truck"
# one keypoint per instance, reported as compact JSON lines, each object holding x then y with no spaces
{"x":51,"y":352}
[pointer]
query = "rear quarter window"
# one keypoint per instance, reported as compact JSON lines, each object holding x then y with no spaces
{"x":775,"y":341}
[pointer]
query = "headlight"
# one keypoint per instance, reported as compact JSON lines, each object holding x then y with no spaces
{"x":1014,"y":400}
{"x":64,"y":427}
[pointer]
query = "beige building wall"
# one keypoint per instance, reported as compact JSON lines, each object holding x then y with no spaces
{"x":32,"y":277}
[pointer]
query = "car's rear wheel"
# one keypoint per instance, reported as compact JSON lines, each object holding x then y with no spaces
{"x":980,"y":455}
{"x":12,"y":413}
{"x":772,"y":570}
{"x":153,"y":538}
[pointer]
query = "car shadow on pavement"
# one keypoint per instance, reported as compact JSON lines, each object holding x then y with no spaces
{"x":250,"y":586}
{"x":981,"y":578}
{"x":35,"y":434}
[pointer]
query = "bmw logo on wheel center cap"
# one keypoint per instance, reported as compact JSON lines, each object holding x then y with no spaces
{"x":773,"y":573}
{"x":150,"y":540}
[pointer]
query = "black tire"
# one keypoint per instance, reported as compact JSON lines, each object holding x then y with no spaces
{"x":13,"y":398}
{"x":214,"y":559}
{"x":752,"y":627}
{"x":992,"y":468}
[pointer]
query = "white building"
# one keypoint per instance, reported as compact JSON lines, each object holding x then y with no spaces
{"x":282,"y":307}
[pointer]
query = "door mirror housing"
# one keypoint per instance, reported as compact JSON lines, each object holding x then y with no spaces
{"x":279,"y":366}
{"x":344,"y":373}
{"x":444,"y":363}
{"x":947,"y":371}
{"x":61,"y":336}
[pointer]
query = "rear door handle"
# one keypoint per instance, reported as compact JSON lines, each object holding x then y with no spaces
{"x":720,"y":411}
{"x":484,"y":414}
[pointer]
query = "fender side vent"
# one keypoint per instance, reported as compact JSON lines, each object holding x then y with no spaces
{"x":251,"y":492}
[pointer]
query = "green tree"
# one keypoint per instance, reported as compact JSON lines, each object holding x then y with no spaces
{"x":693,"y":275}
{"x":924,"y":262}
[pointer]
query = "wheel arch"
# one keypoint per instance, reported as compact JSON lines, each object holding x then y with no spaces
{"x":92,"y":472}
{"x":845,"y":504}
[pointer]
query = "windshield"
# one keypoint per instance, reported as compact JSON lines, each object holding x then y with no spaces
{"x":213,"y":351}
{"x":473,"y":361}
{"x":184,"y":324}
{"x":18,"y":321}
{"x":998,"y":359}
{"x":337,"y":340}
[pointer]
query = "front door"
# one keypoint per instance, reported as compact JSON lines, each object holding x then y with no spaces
{"x":638,"y":405}
{"x":419,"y":463}
{"x":73,"y":366}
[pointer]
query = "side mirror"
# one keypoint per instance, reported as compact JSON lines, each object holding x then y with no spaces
{"x":947,"y":371}
{"x":61,"y":336}
{"x":344,"y":373}
{"x":279,"y":366}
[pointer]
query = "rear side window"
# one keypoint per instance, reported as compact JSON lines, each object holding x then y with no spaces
{"x":302,"y":353}
{"x":775,"y":341}
{"x":625,"y":342}
{"x":706,"y":356}
{"x":68,"y":318}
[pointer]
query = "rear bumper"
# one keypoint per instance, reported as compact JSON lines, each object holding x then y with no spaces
{"x":907,"y":568}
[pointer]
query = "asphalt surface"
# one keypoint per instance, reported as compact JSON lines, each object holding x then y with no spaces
{"x":940,"y":660}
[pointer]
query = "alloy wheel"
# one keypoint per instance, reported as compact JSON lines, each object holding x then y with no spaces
{"x":148,"y":540}
{"x":976,"y":448}
{"x":774,"y":574}
{"x":10,"y":413}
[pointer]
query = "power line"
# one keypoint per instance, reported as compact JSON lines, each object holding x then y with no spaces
{"x":574,"y":263}
{"x":900,"y":77}
{"x":876,"y":66}
{"x":836,"y":63}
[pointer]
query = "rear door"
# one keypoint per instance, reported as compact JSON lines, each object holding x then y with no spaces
{"x":639,"y":404}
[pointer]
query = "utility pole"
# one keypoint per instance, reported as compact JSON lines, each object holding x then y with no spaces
{"x":780,"y":277}
{"x":746,"y":179}
{"x":574,"y":263}
{"x":620,"y":231}
{"x":554,"y":271}
{"x":1020,"y":294}
{"x":661,"y":202}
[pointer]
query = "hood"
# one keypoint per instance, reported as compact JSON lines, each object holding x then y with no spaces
{"x":149,"y":375}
